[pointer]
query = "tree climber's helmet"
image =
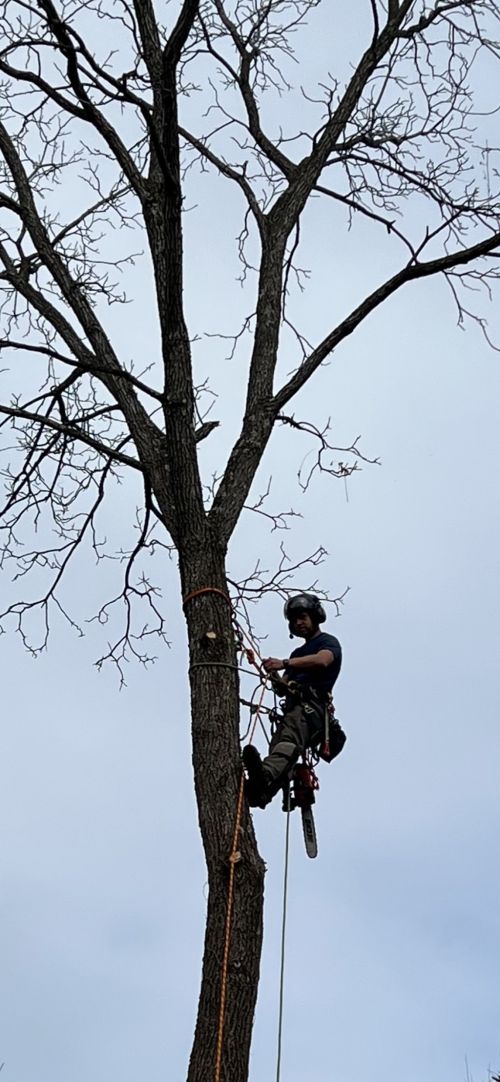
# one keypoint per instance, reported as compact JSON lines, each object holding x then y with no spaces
{"x":304,"y":603}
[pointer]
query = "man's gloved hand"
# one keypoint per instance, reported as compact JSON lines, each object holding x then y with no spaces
{"x":273,"y":664}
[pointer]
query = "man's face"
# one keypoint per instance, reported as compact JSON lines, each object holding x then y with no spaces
{"x":302,"y":625}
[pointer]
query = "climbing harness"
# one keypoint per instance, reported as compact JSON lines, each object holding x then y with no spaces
{"x":299,"y":787}
{"x":334,"y":735}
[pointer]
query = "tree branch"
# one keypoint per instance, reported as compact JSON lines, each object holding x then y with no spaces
{"x":182,"y":28}
{"x":411,"y":272}
{"x":90,"y":112}
{"x":226,"y":170}
{"x":290,"y":204}
{"x":142,"y":427}
{"x":92,"y":368}
{"x":72,"y":432}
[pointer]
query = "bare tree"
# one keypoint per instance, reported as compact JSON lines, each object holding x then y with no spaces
{"x":97,"y":103}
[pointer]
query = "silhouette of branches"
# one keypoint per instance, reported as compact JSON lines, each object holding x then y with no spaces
{"x":93,"y":107}
{"x":321,"y":460}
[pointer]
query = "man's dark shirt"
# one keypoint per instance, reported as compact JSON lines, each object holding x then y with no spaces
{"x":321,"y":680}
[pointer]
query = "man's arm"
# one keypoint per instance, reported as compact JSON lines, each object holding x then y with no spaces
{"x":321,"y":660}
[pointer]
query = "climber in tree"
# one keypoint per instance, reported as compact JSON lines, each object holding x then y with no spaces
{"x":309,"y":675}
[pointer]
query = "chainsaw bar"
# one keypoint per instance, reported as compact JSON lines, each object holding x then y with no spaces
{"x":309,"y":832}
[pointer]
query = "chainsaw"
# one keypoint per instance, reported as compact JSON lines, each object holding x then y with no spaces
{"x":299,"y":792}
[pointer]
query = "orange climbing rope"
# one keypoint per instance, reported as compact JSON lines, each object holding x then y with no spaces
{"x":207,"y":590}
{"x":252,"y":654}
{"x":251,"y":651}
{"x":233,"y":860}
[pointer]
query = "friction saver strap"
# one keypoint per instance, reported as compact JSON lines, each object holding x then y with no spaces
{"x":206,"y":590}
{"x":251,"y":651}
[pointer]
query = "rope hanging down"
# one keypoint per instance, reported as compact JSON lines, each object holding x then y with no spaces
{"x":283,"y":935}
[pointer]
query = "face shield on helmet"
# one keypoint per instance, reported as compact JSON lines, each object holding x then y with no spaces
{"x":304,"y":603}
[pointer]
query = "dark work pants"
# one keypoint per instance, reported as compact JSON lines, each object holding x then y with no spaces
{"x":302,"y":726}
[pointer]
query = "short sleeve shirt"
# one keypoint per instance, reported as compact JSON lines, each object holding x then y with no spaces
{"x":322,"y":680}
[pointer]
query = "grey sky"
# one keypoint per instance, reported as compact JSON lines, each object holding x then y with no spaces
{"x":394,"y":932}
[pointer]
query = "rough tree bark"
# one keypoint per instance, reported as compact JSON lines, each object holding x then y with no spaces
{"x":408,"y":93}
{"x":216,"y":762}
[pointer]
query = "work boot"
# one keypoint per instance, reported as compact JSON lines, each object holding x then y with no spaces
{"x":257,"y":785}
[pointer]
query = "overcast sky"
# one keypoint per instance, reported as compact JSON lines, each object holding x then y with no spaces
{"x":394,"y":931}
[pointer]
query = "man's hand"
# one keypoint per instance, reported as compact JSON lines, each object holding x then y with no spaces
{"x":273,"y":664}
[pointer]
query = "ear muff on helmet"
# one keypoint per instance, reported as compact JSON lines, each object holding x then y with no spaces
{"x":304,"y":603}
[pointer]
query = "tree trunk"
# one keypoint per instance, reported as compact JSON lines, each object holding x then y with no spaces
{"x":217,"y":775}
